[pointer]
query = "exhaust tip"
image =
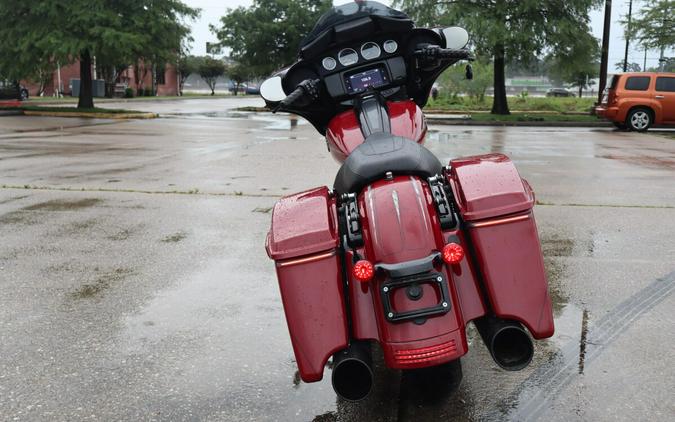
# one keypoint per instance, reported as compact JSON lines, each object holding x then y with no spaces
{"x":507,"y":341}
{"x":352,"y":373}
{"x":352,"y":380}
{"x":512,"y":348}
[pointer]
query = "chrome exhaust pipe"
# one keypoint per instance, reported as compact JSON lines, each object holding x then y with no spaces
{"x":352,"y":372}
{"x":508,"y":342}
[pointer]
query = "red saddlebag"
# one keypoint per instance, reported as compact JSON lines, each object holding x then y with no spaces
{"x":303,"y":241}
{"x":496,"y":205}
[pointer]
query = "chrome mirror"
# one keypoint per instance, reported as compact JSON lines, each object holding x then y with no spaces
{"x":272,"y":90}
{"x":455,"y":37}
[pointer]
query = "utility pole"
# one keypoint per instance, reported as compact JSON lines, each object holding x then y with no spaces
{"x":662,"y":60}
{"x":628,"y":33}
{"x":58,"y":76}
{"x":605,"y":49}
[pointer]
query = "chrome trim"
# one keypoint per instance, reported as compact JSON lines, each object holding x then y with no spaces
{"x":371,"y":212}
{"x":394,"y":197}
{"x":390,"y":42}
{"x":347,"y":51}
{"x":323,"y":63}
{"x":369,"y":44}
{"x":500,"y":221}
{"x":305,"y":260}
{"x":415,"y":182}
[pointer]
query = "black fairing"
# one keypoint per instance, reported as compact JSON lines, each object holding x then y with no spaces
{"x":352,"y":21}
{"x":344,"y":26}
{"x":381,"y":153}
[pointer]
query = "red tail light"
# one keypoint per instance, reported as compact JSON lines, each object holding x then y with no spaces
{"x":453,"y":253}
{"x":363,"y":271}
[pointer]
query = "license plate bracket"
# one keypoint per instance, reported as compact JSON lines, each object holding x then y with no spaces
{"x":391,"y":285}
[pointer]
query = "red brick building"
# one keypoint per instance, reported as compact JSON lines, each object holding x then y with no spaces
{"x":167,"y":80}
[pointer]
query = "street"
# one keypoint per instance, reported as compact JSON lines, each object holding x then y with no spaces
{"x":134,"y":283}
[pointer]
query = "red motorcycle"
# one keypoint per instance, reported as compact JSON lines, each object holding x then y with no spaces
{"x":403,"y":251}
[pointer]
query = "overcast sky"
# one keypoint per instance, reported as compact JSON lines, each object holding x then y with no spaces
{"x":212,"y":10}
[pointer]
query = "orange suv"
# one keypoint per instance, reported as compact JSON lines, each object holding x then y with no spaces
{"x":637,"y":101}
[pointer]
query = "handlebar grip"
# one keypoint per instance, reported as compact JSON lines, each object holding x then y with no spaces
{"x":449,"y":53}
{"x":293,"y":96}
{"x":434,"y":52}
{"x":308,"y":88}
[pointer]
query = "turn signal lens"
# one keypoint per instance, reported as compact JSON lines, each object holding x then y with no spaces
{"x":363,"y":271}
{"x":453,"y":253}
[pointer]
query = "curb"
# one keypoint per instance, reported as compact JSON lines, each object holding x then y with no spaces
{"x":116,"y":116}
{"x":11,"y":113}
{"x":464,"y":122}
{"x":540,"y":112}
{"x":458,"y":122}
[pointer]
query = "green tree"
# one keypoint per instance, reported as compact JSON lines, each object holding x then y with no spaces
{"x":454,"y":80}
{"x":654,"y":26}
{"x":630,"y":67}
{"x":266,"y":36}
{"x":113,"y":30}
{"x":187,"y":65}
{"x":238,"y":74}
{"x":210,"y":69}
{"x":508,"y":30}
{"x":577,"y":64}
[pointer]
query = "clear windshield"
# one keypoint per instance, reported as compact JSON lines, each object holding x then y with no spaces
{"x":351,"y":11}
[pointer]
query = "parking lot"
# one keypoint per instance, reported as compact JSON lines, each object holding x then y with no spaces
{"x":134,"y":284}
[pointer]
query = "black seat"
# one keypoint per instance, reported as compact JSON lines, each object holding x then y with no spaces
{"x":381,"y":153}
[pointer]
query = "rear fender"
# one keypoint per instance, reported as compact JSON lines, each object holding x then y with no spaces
{"x":401,"y":228}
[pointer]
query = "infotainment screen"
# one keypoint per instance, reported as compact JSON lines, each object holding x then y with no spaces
{"x":361,"y":81}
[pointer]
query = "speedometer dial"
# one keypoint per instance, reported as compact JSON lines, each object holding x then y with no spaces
{"x":329,"y":63}
{"x":348,"y":57}
{"x":370,"y":51}
{"x":390,"y":46}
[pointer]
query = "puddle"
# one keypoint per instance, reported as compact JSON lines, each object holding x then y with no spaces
{"x":120,"y":235}
{"x":582,"y":340}
{"x":175,"y":238}
{"x":274,"y":121}
{"x":263,"y":210}
{"x":643,"y":161}
{"x":78,"y":227}
{"x":64,"y":205}
{"x":101,"y":284}
{"x":18,"y":217}
{"x":12,"y":199}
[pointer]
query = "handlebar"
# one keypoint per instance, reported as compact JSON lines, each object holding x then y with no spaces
{"x":308,"y":88}
{"x":434,"y":52}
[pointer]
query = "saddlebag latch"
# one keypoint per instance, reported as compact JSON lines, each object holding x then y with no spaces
{"x":439,"y":191}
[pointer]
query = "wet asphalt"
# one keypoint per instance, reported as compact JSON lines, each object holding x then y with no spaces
{"x":134,"y":284}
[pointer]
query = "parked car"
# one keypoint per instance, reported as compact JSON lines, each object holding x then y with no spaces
{"x":23,"y":93}
{"x":637,"y":101}
{"x":10,"y":90}
{"x":252,"y":89}
{"x":559,"y":92}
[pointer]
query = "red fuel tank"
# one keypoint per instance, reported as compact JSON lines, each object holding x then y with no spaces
{"x":344,"y":132}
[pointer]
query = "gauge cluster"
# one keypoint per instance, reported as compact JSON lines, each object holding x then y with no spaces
{"x":368,"y":51}
{"x":351,"y":69}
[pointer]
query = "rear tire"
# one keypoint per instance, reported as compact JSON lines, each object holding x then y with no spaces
{"x":428,"y":385}
{"x":639,"y":119}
